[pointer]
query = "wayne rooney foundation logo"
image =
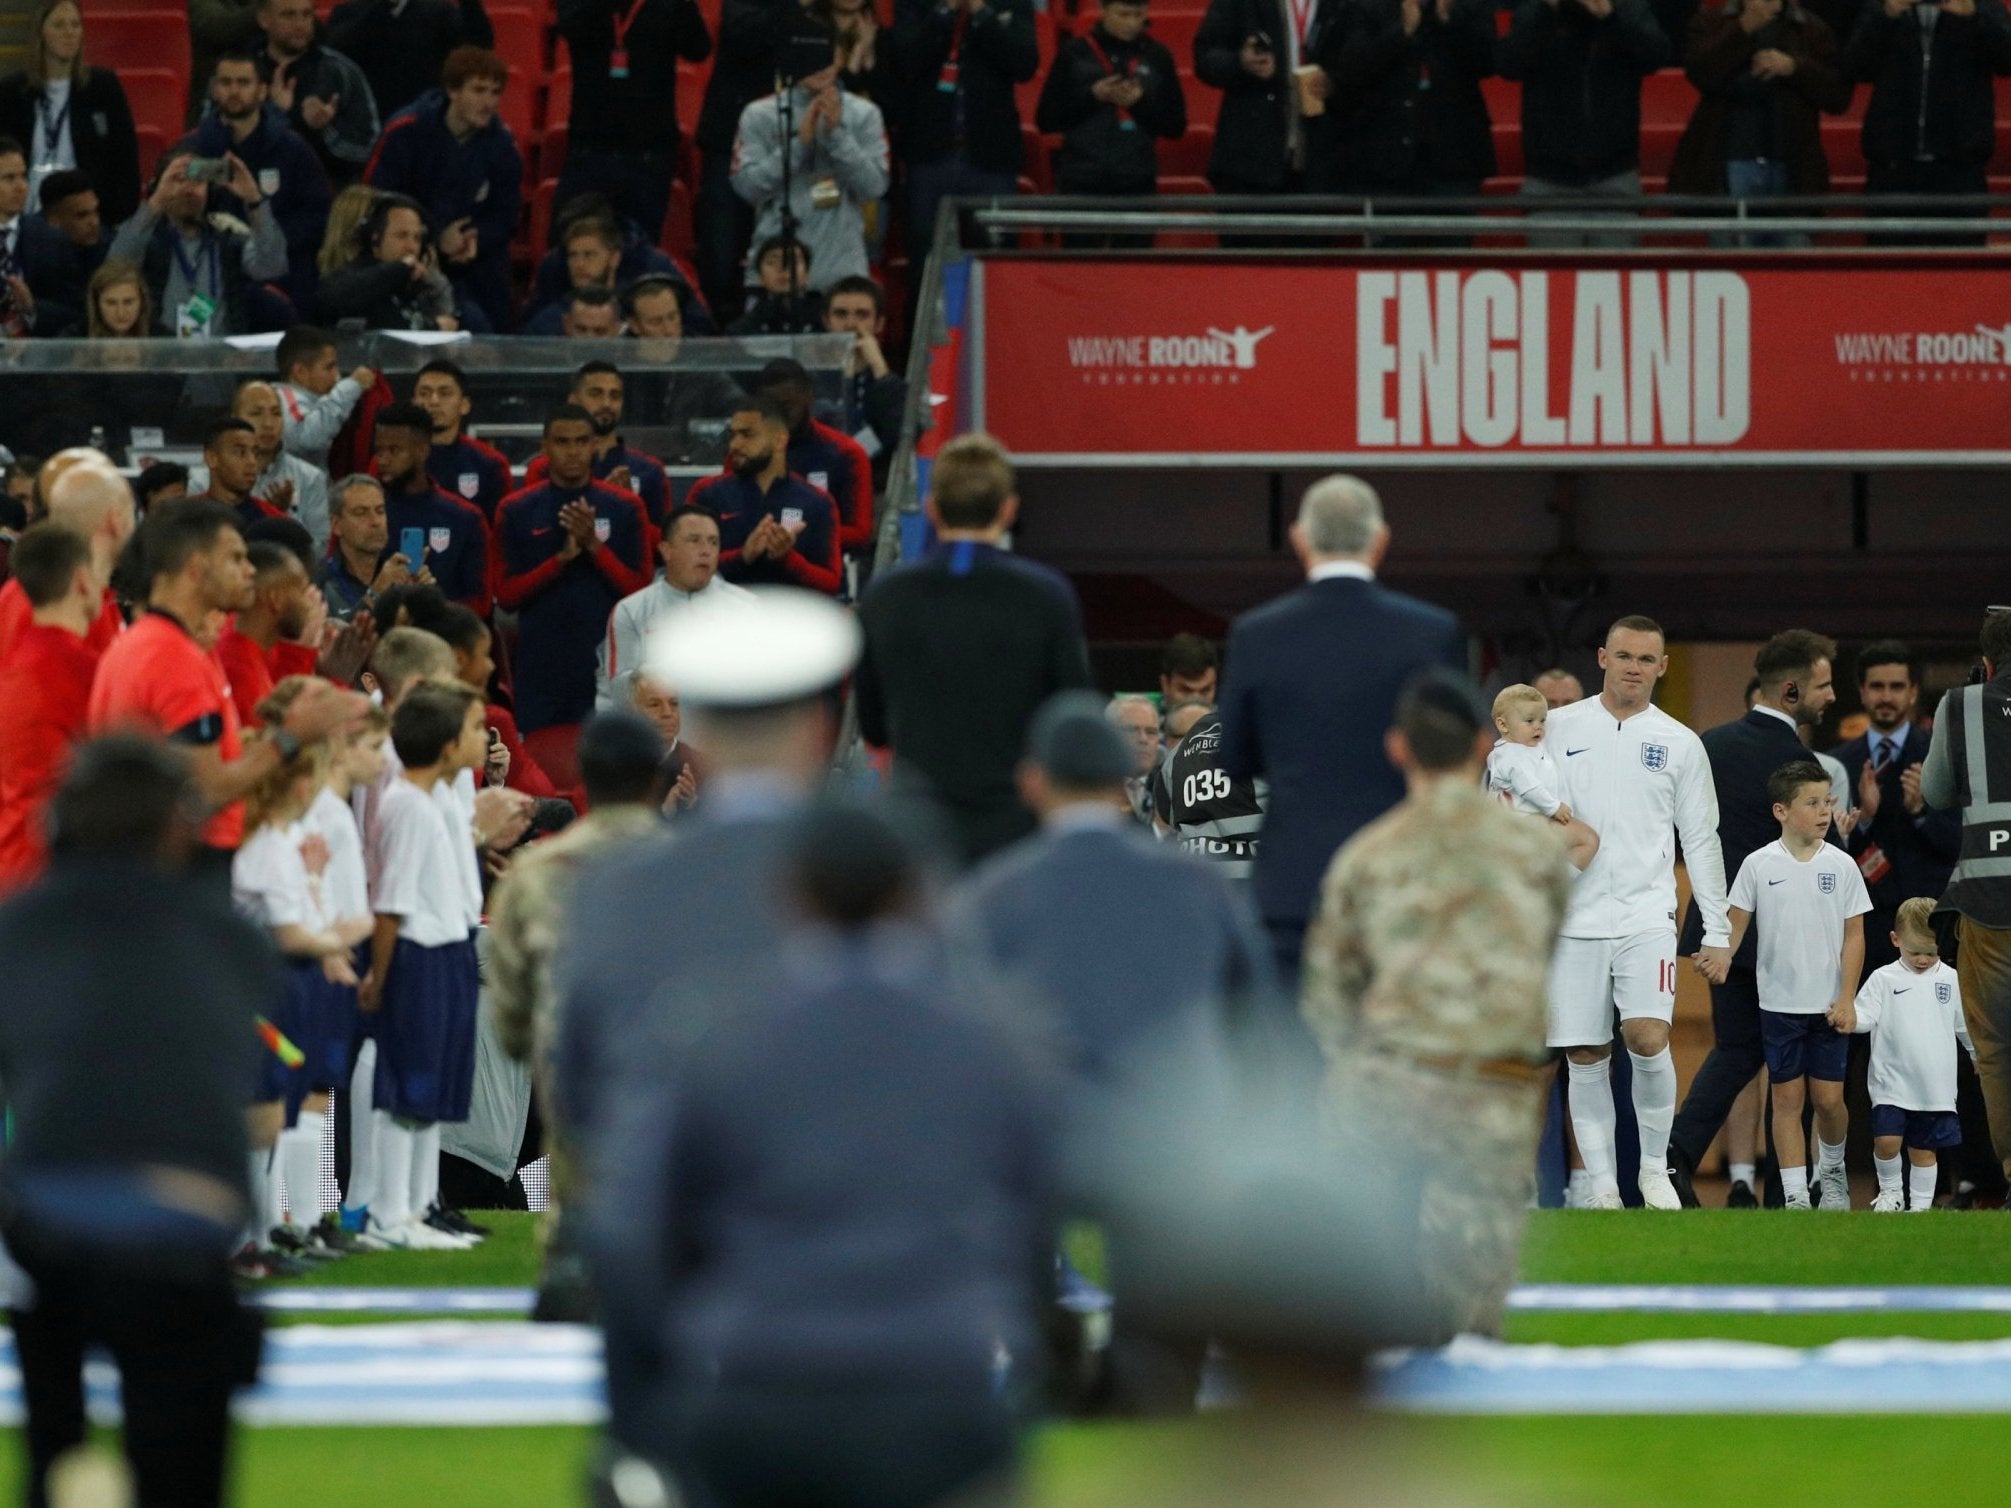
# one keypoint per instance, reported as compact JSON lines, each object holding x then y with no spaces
{"x":1215,"y":356}
{"x":1981,"y":353}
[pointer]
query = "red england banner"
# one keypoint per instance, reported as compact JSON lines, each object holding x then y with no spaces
{"x":1096,"y":362}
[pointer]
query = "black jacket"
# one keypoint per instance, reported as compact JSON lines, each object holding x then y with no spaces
{"x":1251,"y":132}
{"x":637,"y":113}
{"x":1000,"y":49}
{"x":402,"y":53}
{"x":744,"y":70}
{"x":101,"y":130}
{"x":1950,"y":66}
{"x":1412,"y":103}
{"x":1743,"y":754}
{"x":56,"y":272}
{"x":1581,"y":85}
{"x":1105,"y":150}
{"x":383,"y":295}
{"x":1921,"y":850}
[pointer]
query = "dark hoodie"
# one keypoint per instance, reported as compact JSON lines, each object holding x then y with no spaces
{"x":1105,"y":150}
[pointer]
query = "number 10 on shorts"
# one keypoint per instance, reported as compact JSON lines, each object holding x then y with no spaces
{"x":1665,"y":977}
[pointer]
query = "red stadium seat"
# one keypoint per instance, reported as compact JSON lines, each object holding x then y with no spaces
{"x":1187,"y":157}
{"x":678,"y":234}
{"x":541,"y":218}
{"x":1170,"y":184}
{"x":519,"y":110}
{"x":552,"y":150}
{"x":521,"y":37}
{"x":1667,"y":97}
{"x":1843,"y":145}
{"x":691,"y":81}
{"x":159,"y":99}
{"x":559,"y":97}
{"x":1508,"y":146}
{"x":557,"y":752}
{"x":137,"y":38}
{"x":1204,"y":101}
{"x":153,"y":142}
{"x":1177,"y":32}
{"x":1038,"y":150}
{"x":1658,"y":147}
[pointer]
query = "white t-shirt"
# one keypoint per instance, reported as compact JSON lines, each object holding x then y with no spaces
{"x":1638,"y":784}
{"x":1525,"y":778}
{"x":417,"y":874}
{"x":345,"y":884}
{"x":1915,"y":1020}
{"x":1800,"y":906}
{"x":456,"y":800}
{"x":269,"y":880}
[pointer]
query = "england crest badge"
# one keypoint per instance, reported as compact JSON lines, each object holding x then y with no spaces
{"x":469,"y":483}
{"x":603,"y":529}
{"x":437,"y":540}
{"x":1826,"y":883}
{"x":1655,"y":756}
{"x":1944,"y":993}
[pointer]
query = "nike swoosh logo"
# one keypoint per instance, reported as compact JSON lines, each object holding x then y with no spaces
{"x":1776,"y":882}
{"x":1569,"y":752}
{"x":1902,"y":992}
{"x":536,"y":532}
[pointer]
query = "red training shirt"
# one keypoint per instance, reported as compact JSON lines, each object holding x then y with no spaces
{"x":17,"y":613}
{"x":45,"y":691}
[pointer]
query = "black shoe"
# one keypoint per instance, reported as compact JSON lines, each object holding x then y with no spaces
{"x":300,"y":1248}
{"x":279,"y":1265}
{"x":1742,"y":1197}
{"x":454,"y":1222}
{"x":330,"y":1235}
{"x":1679,"y":1177}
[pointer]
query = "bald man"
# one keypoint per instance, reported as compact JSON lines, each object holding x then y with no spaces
{"x":1560,"y":688}
{"x":86,"y":495}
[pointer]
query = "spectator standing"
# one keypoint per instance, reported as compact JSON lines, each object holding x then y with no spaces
{"x":394,"y":281}
{"x":566,"y":551}
{"x":202,"y":268}
{"x":70,"y":115}
{"x":45,"y":685}
{"x":837,"y":159}
{"x":454,"y":156}
{"x":962,"y":648}
{"x":455,"y":539}
{"x":1795,"y":690}
{"x":125,"y":1176}
{"x":1931,"y":125}
{"x":1313,"y":680}
{"x":750,"y":36}
{"x":1269,"y":58}
{"x":959,"y":63}
{"x":1190,"y":670}
{"x":1766,"y":72}
{"x":284,"y":480}
{"x":876,"y":396}
{"x":324,"y":95}
{"x":689,"y":551}
{"x":774,"y":529}
{"x":243,"y":123}
{"x":216,"y":26}
{"x":1580,"y":64}
{"x":460,"y":465}
{"x":826,"y":458}
{"x":1113,"y":92}
{"x":598,"y":389}
{"x":1903,"y":847}
{"x":1407,"y":77}
{"x":622,"y":131}
{"x":402,"y":45}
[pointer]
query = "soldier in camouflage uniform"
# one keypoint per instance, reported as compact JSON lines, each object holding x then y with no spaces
{"x":620,"y":757}
{"x":1424,"y":982}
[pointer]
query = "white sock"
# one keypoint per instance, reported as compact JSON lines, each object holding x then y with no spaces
{"x":425,"y":1169}
{"x":393,"y":1204}
{"x":1654,"y":1105}
{"x":275,"y":1196}
{"x":262,"y":1219}
{"x":362,"y":1129}
{"x":1923,"y":1181}
{"x":1888,"y":1173}
{"x":1576,"y":1187}
{"x":300,"y":1157}
{"x":1828,"y":1156}
{"x":1795,"y":1182}
{"x":1592,"y":1120}
{"x":1746,"y":1173}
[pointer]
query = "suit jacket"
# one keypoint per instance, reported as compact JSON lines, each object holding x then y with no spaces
{"x":1743,"y":754}
{"x":1312,"y":686}
{"x":1923,"y":849}
{"x":1117,"y":934}
{"x":101,"y":132}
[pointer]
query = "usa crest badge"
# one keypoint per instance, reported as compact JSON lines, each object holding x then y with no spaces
{"x":437,"y":540}
{"x":1655,"y":756}
{"x":1826,"y":883}
{"x":1944,"y":993}
{"x":469,"y":483}
{"x":603,"y":529}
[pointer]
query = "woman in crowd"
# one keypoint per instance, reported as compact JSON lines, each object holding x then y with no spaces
{"x":118,"y":305}
{"x":71,"y":115}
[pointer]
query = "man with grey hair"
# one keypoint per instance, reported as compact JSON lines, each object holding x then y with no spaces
{"x":356,"y":567}
{"x":1312,"y":684}
{"x":1136,"y":718}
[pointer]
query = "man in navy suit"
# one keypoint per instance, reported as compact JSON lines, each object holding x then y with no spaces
{"x":1904,"y":846}
{"x":1312,"y":684}
{"x":1795,"y":689}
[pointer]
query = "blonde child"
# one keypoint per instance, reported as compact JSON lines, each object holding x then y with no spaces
{"x":1521,"y":773}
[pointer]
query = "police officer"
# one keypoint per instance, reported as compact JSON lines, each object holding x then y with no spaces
{"x":1424,"y":981}
{"x":670,"y":919}
{"x":1969,"y":766}
{"x":1209,"y":813}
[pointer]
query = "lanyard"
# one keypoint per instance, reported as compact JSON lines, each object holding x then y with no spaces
{"x":617,"y":58}
{"x":1302,"y":17}
{"x":207,"y":258}
{"x":52,"y":129}
{"x":1129,"y":70}
{"x":947,"y":80}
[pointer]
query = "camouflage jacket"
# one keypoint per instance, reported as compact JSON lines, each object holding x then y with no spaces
{"x":1435,"y":929}
{"x":527,"y":913}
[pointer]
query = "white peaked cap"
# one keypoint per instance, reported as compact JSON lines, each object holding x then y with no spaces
{"x":782,"y":646}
